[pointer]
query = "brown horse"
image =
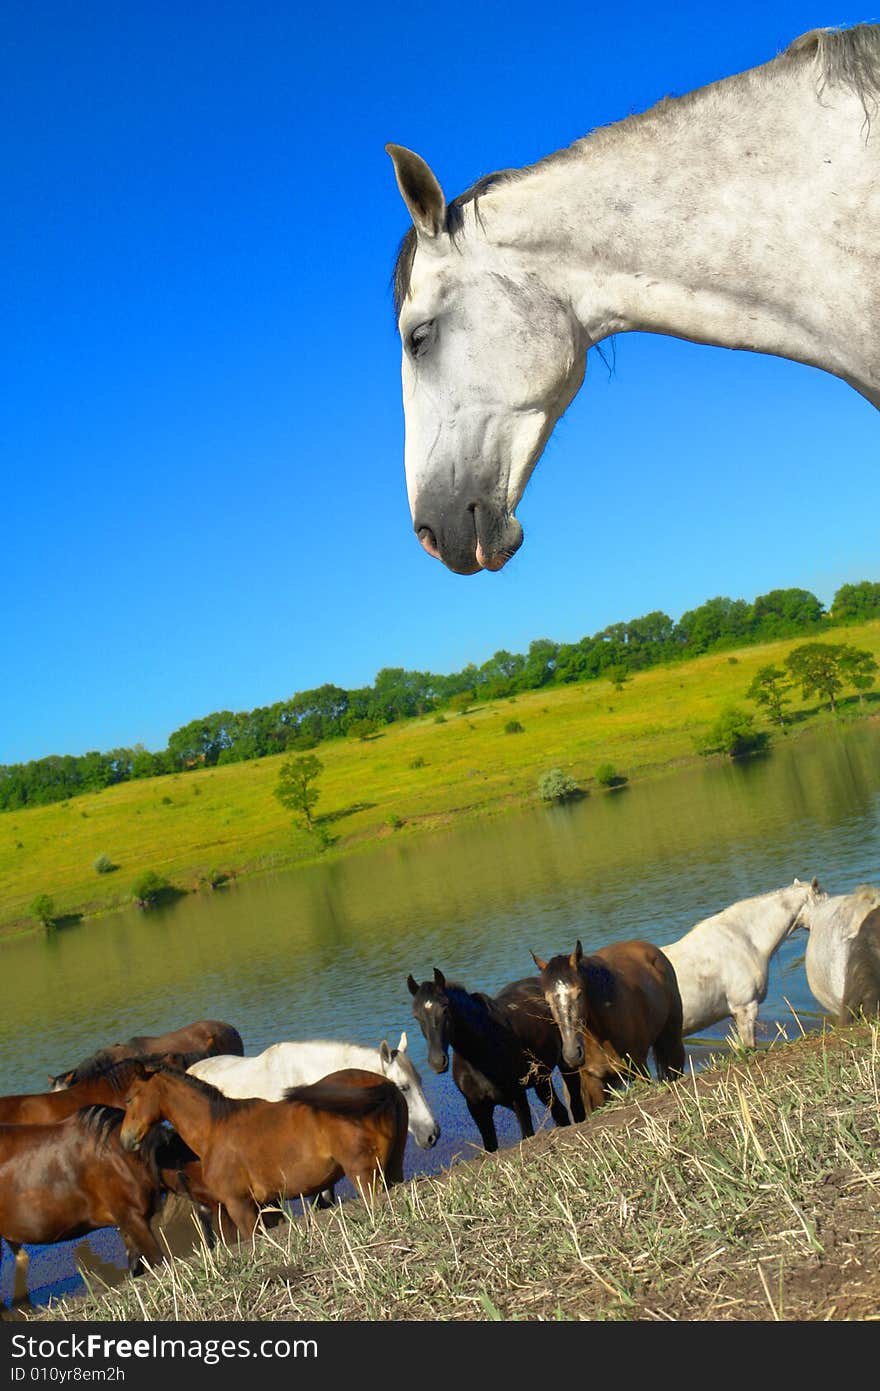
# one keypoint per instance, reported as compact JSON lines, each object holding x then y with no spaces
{"x":104,"y":1086}
{"x":352,"y":1123}
{"x":612,"y":1009}
{"x":203,"y":1039}
{"x":64,"y":1180}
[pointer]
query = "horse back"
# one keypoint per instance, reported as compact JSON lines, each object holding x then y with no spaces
{"x":522,"y":1006}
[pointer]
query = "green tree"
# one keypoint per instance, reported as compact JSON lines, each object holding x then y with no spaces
{"x":43,"y":909}
{"x":770,"y":688}
{"x":618,"y":675}
{"x":816,"y":666}
{"x":858,"y":669}
{"x":557,"y":786}
{"x":854,"y":603}
{"x":732,"y":733}
{"x":296,"y":788}
{"x":148,"y":888}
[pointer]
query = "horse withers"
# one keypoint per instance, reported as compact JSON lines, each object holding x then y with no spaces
{"x":612,"y":1009}
{"x":502,"y":1046}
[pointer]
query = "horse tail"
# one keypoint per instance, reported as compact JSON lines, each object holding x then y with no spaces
{"x":861,"y":987}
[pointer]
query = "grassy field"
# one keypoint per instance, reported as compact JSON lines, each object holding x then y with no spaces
{"x":412,"y":777}
{"x":745,"y":1192}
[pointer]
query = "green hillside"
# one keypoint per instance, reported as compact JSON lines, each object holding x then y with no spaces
{"x":414,"y":775}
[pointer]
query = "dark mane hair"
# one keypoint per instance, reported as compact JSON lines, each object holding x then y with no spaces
{"x":848,"y":57}
{"x":118,"y":1071}
{"x":221,"y":1106}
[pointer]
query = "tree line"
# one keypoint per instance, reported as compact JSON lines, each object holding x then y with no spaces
{"x":310,"y":717}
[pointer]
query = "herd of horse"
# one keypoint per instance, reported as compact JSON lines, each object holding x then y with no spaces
{"x":187,"y":1113}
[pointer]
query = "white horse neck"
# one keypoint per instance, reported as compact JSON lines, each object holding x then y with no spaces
{"x":745,"y":215}
{"x":766,"y":919}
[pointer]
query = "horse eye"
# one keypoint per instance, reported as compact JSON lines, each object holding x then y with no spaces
{"x":418,"y":339}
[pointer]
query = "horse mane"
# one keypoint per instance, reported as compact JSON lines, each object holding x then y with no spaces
{"x":118,"y":1072}
{"x":342,"y":1100}
{"x":221,"y":1106}
{"x":845,"y":56}
{"x":100,"y":1121}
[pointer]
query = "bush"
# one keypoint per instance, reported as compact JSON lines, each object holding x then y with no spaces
{"x":513,"y":727}
{"x":417,"y":763}
{"x":43,"y":909}
{"x":394,"y":821}
{"x":606,"y":775}
{"x":557,"y":786}
{"x":104,"y":865}
{"x":732,"y":733}
{"x":148,"y":888}
{"x":439,"y":719}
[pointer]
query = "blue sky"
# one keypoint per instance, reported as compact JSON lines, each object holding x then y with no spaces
{"x":201,"y":430}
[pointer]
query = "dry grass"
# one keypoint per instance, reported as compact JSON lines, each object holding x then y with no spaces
{"x":749,"y":1191}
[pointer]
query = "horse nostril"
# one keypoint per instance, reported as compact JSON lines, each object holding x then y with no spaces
{"x":428,"y":540}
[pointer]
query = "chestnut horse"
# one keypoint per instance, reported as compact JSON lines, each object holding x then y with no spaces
{"x":103,"y":1086}
{"x":612,"y":1009}
{"x":202,"y":1039}
{"x":352,"y":1123}
{"x":501,"y":1045}
{"x":64,"y":1180}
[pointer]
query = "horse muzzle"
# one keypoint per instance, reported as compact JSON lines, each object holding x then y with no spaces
{"x":466,"y":537}
{"x":129,"y":1141}
{"x":439,"y":1062}
{"x":427,"y":1142}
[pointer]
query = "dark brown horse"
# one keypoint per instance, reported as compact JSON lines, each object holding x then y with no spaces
{"x":103,"y":1086}
{"x":501,"y":1045}
{"x":64,"y":1180}
{"x":202,"y":1039}
{"x":613,"y":1008}
{"x":352,"y":1123}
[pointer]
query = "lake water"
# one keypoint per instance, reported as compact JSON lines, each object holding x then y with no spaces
{"x":325,"y":952}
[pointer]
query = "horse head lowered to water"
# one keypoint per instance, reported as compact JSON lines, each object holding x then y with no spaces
{"x":742,"y":215}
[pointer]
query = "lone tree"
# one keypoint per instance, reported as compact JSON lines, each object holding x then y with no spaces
{"x":770,"y":688}
{"x":858,"y":669}
{"x":816,"y":666}
{"x":733,"y":733}
{"x":296,"y":788}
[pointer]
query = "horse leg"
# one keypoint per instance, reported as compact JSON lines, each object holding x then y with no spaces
{"x":546,"y":1093}
{"x":140,"y":1243}
{"x":669,"y":1055}
{"x":238,"y":1218}
{"x":593,"y":1091}
{"x":572,"y":1080}
{"x":523,"y":1112}
{"x":481,"y":1114}
{"x":20,"y":1274}
{"x":745,"y":1017}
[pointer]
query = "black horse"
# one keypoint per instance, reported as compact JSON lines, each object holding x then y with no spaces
{"x":501,"y":1045}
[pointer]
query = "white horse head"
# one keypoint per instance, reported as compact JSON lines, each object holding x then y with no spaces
{"x":492,"y":356}
{"x":398,"y":1068}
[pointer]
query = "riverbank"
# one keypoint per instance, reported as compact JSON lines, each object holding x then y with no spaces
{"x":215,"y":824}
{"x":745,"y":1192}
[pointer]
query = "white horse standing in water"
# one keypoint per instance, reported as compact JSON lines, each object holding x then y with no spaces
{"x":842,"y":960}
{"x":745,"y":214}
{"x":723,"y":963}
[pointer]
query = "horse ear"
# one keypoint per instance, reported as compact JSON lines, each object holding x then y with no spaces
{"x":384,"y":1051}
{"x":439,"y":979}
{"x":577,"y":954}
{"x":413,"y":985}
{"x":814,"y":883}
{"x":401,"y":1047}
{"x":419,"y":189}
{"x":51,"y":1081}
{"x":541,"y":965}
